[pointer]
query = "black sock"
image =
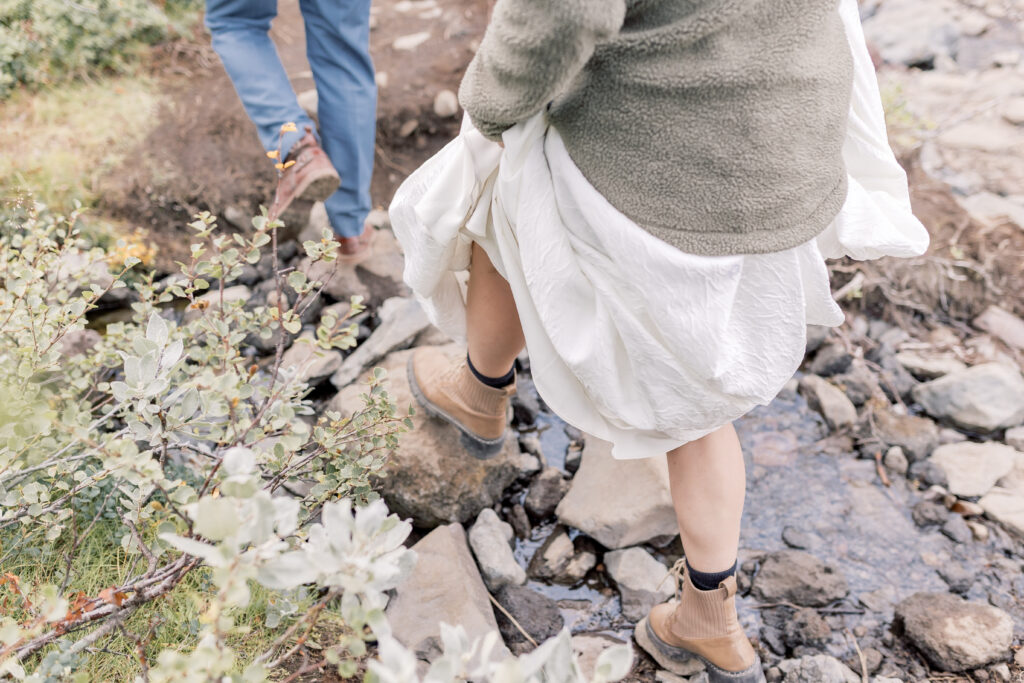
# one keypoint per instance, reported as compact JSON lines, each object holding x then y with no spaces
{"x":496,"y":382}
{"x":709,"y":581}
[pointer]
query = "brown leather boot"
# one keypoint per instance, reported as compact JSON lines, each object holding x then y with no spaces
{"x":311,"y":178}
{"x":700,"y":624}
{"x":451,"y":392}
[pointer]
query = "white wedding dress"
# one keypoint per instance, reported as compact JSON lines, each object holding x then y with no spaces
{"x":630,"y":339}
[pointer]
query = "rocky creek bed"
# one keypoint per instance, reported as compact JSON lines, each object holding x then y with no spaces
{"x":884,"y":527}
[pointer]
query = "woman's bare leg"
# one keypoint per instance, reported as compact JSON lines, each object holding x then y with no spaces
{"x":708,"y":482}
{"x":493,"y":332}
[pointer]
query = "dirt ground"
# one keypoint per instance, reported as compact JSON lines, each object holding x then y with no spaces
{"x":204,"y":154}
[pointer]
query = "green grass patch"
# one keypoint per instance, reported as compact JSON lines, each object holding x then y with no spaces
{"x":99,"y":563}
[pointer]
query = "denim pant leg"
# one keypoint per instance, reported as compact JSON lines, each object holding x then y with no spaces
{"x":239,"y":30}
{"x":337,"y":45}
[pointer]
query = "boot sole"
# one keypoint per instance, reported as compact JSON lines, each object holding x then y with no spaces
{"x":316,"y":189}
{"x":647,"y":639}
{"x":477,"y":446}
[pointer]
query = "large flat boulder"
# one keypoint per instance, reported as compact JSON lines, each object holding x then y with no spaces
{"x":982,"y":398}
{"x":953,"y":634}
{"x":619,"y":503}
{"x":444,"y":586}
{"x":430,"y":477}
{"x":972,"y":469}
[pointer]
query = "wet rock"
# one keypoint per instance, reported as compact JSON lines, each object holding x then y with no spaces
{"x":927,"y":513}
{"x":1006,"y":507}
{"x":860,"y":383}
{"x":211,"y":301}
{"x":642,"y":509}
{"x":983,"y":398}
{"x":400,"y":321}
{"x":550,"y":560}
{"x":525,"y":406}
{"x":831,"y":359}
{"x":1003,"y":325}
{"x":640,"y":579}
{"x":895,"y":460}
{"x":806,"y":627}
{"x":927,"y":472}
{"x":958,"y":578}
{"x":546,"y":492}
{"x":917,"y":436}
{"x":579,"y":567}
{"x":588,"y":647}
{"x":529,"y":465}
{"x":929,"y":366}
{"x":311,"y":363}
{"x":956,"y":530}
{"x":444,"y":586}
{"x":491,"y":541}
{"x":972,"y":469}
{"x":430,"y":477}
{"x":1015,"y":438}
{"x":573,"y":459}
{"x":530,"y":443}
{"x":446,"y":104}
{"x":798,"y":577}
{"x":953,"y":634}
{"x":519,"y":521}
{"x":537,"y":614}
{"x":816,"y":669}
{"x":77,"y":342}
{"x":828,"y":400}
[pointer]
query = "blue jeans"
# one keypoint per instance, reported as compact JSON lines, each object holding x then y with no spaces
{"x":337,"y":46}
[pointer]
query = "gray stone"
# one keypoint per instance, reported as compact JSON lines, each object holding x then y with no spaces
{"x":1003,"y":325}
{"x":78,"y":342}
{"x":859,"y":383}
{"x":641,"y":580}
{"x":831,"y":359}
{"x":957,"y":577}
{"x":972,"y":469}
{"x":400,"y":321}
{"x":929,"y":366}
{"x":578,"y":567}
{"x":816,"y":336}
{"x":816,"y":669}
{"x":311,"y":363}
{"x":927,"y":513}
{"x":828,"y":400}
{"x":552,"y":557}
{"x":1006,"y":507}
{"x":953,"y":634}
{"x":491,"y":541}
{"x":797,"y":538}
{"x":537,"y":614}
{"x":430,"y":477}
{"x":983,"y":398}
{"x":806,"y":627}
{"x":444,"y":586}
{"x":956,"y":530}
{"x":546,"y":492}
{"x":895,"y":460}
{"x":642,"y":509}
{"x":381,"y":271}
{"x":927,"y":472}
{"x":798,"y":577}
{"x":1015,"y":438}
{"x":917,"y":436}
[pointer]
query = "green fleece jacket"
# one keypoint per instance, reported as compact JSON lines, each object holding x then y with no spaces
{"x":716,"y":125}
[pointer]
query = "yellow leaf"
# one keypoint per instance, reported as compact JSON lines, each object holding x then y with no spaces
{"x":279,"y":166}
{"x":276,"y":154}
{"x":288,"y":128}
{"x":288,"y":164}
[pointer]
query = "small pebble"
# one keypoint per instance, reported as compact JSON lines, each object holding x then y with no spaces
{"x":895,"y":460}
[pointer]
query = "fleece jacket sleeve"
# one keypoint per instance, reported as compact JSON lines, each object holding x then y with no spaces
{"x":531,"y":51}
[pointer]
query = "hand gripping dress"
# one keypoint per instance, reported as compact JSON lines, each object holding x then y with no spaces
{"x":630,"y":339}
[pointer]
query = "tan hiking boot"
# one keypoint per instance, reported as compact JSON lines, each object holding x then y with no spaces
{"x":311,"y":178}
{"x":451,"y":392}
{"x":355,"y":250}
{"x":700,"y":624}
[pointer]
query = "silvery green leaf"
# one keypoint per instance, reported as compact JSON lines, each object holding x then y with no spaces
{"x":171,"y":354}
{"x":239,"y":460}
{"x":156,"y":330}
{"x":189,"y":403}
{"x":288,"y":570}
{"x":209,"y":553}
{"x":613,"y":664}
{"x":120,"y":391}
{"x":216,"y":518}
{"x":132,"y":370}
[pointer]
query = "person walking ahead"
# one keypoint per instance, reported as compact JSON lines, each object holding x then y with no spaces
{"x":337,"y":46}
{"x":654,"y":230}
